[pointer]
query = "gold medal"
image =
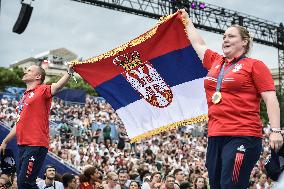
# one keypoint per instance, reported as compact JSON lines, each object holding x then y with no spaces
{"x":216,"y":97}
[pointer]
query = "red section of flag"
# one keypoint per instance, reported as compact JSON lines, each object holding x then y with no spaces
{"x":162,"y":42}
{"x":237,"y":166}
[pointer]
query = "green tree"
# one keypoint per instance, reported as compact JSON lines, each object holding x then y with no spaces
{"x":19,"y":72}
{"x":11,"y":77}
{"x":81,"y":84}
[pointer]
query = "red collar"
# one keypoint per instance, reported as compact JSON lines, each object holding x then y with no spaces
{"x":233,"y":60}
{"x":27,"y":91}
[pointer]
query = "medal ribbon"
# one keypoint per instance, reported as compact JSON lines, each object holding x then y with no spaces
{"x":223,"y":72}
{"x":21,"y":103}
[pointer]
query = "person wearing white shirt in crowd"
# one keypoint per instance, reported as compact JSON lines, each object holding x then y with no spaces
{"x":179,"y":176}
{"x":169,"y":183}
{"x":123,"y":178}
{"x":184,"y":166}
{"x":262,"y":183}
{"x":155,"y":181}
{"x":49,"y":182}
{"x":69,"y":181}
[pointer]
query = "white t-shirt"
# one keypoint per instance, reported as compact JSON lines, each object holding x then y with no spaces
{"x":266,"y":186}
{"x":56,"y":185}
{"x":145,"y":185}
{"x":280,"y":183}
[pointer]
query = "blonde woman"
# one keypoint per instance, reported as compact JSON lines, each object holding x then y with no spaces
{"x":234,"y":87}
{"x":112,"y":181}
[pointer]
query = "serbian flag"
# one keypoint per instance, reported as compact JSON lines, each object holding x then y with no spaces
{"x":154,"y":82}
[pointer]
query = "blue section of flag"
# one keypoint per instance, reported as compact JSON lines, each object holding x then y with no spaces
{"x":179,"y":66}
{"x":118,"y":92}
{"x":175,"y":68}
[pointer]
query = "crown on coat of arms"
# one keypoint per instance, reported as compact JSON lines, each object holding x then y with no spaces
{"x":128,"y":61}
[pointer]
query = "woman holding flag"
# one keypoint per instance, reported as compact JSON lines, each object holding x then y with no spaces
{"x":234,"y":87}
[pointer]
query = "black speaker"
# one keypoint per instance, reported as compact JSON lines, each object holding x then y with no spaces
{"x":23,"y":18}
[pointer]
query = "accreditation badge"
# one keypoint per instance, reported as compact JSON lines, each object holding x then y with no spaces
{"x":216,"y":97}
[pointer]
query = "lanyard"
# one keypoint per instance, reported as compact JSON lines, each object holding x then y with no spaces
{"x":223,"y":72}
{"x":21,"y":103}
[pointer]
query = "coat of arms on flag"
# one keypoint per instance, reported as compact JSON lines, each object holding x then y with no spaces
{"x":154,"y":82}
{"x":144,"y":79}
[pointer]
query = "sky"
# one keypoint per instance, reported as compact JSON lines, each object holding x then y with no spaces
{"x":89,"y":30}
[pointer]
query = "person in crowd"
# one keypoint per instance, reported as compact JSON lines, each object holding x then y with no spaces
{"x":185,"y":185}
{"x":91,"y":178}
{"x":49,"y":181}
{"x":252,"y":185}
{"x":169,"y":183}
{"x":97,"y":135}
{"x":3,"y":183}
{"x":32,"y":126}
{"x":69,"y":181}
{"x":155,"y":181}
{"x":144,"y":178}
{"x":184,"y":166}
{"x":179,"y":176}
{"x":122,"y":137}
{"x":200,"y":183}
{"x":107,"y":134}
{"x":234,"y":86}
{"x":134,"y":185}
{"x":8,"y":180}
{"x":123,"y":177}
{"x":112,"y":181}
{"x":262,"y":182}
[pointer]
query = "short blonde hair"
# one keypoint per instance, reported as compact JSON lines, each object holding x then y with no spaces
{"x":110,"y":175}
{"x":42,"y":73}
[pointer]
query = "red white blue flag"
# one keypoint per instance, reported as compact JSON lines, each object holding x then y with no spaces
{"x":154,"y":82}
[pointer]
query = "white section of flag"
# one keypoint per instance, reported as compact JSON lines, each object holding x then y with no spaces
{"x":189,"y":100}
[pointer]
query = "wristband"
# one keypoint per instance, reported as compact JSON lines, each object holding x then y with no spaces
{"x":71,"y":74}
{"x":276,"y":130}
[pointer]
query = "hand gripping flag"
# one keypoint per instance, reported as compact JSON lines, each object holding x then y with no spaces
{"x":154,"y":82}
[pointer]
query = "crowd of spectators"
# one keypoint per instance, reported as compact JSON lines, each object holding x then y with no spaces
{"x":92,"y":138}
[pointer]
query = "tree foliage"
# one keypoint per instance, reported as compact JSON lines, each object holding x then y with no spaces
{"x":11,"y":77}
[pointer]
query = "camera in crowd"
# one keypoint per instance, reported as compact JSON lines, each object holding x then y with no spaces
{"x":8,"y":168}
